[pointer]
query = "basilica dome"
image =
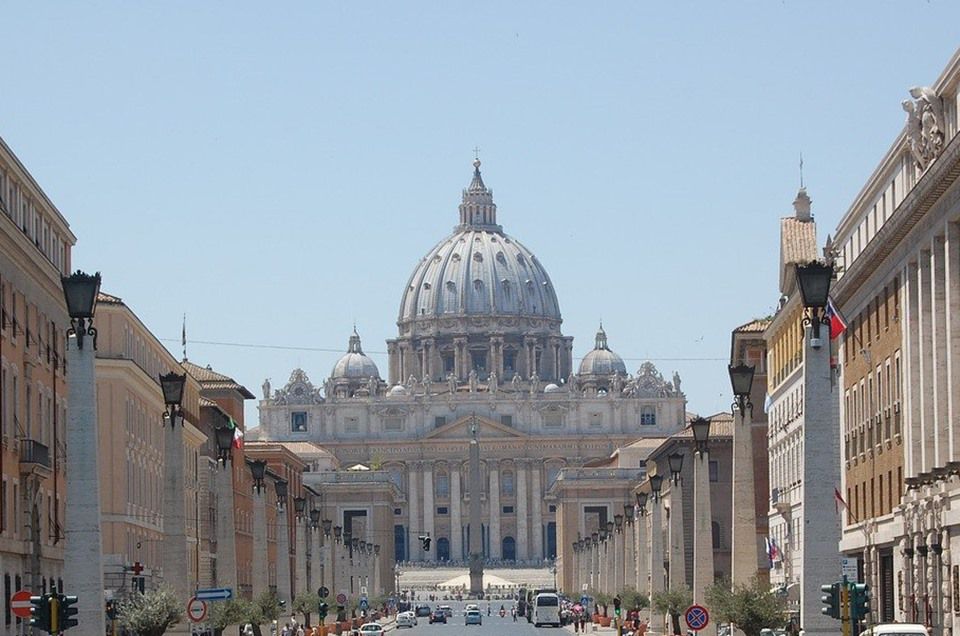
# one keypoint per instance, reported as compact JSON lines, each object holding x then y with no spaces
{"x":354,"y":364}
{"x":478,"y":270}
{"x":601,"y":361}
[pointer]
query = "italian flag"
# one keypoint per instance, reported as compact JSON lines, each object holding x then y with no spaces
{"x":237,"y":435}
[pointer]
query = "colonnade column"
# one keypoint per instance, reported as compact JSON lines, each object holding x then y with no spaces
{"x":456,"y":522}
{"x":174,"y":557}
{"x":226,"y":527}
{"x":643,"y":554}
{"x":703,"y":572}
{"x":283,"y":556}
{"x":619,"y":558}
{"x":459,"y":354}
{"x":656,"y":547}
{"x":495,"y":361}
{"x":261,"y":573}
{"x":595,"y":565}
{"x":678,"y":562}
{"x":413,"y":494}
{"x":316,"y":560}
{"x":494,"y":501}
{"x":536,"y":519}
{"x":429,"y":510}
{"x":300,"y":556}
{"x":522,"y":515}
{"x":630,"y":552}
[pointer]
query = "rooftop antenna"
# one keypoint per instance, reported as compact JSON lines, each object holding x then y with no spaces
{"x":801,"y":169}
{"x":183,"y":337}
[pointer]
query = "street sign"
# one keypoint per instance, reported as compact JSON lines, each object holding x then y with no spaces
{"x":214,"y":594}
{"x":323,"y":592}
{"x":848,"y":568}
{"x":584,"y":600}
{"x":364,"y":604}
{"x":196,"y":609}
{"x":20,"y":603}
{"x":697,"y":617}
{"x":341,"y":598}
{"x":363,"y":590}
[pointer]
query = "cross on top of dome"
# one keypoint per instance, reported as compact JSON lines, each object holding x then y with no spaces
{"x":477,"y":208}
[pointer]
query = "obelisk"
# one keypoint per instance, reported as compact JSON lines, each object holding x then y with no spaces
{"x":476,"y":530}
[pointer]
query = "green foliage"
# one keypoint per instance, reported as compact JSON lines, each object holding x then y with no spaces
{"x":306,"y":603}
{"x":268,"y":607}
{"x":151,"y":613}
{"x":633,"y":599}
{"x":750,"y":607}
{"x":673,"y":602}
{"x":225,"y":613}
{"x":603,"y":600}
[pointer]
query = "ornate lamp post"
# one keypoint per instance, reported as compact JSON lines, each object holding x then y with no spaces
{"x":630,"y":547}
{"x":174,"y":557}
{"x":315,"y":540}
{"x":702,"y":517}
{"x":282,"y":488}
{"x":226,"y":530}
{"x":744,"y":559}
{"x":259,"y":581}
{"x":300,"y":546}
{"x":643,"y":548}
{"x":83,"y":551}
{"x":678,"y":563}
{"x":172,"y":385}
{"x":820,"y":465}
{"x":657,"y":581}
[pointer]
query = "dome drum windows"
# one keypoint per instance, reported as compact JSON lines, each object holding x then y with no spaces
{"x":648,"y":416}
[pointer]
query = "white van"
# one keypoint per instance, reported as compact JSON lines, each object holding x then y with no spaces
{"x":546,"y":610}
{"x":897,"y":629}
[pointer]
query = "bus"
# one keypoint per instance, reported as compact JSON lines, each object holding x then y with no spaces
{"x":546,"y":609}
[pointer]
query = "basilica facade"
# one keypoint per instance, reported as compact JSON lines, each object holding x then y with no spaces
{"x":479,"y":343}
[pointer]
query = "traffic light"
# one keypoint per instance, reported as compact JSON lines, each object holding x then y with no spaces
{"x":112,"y":609}
{"x":425,"y":542}
{"x":831,"y":600}
{"x":40,"y":612}
{"x":67,"y":612}
{"x":322,"y":610}
{"x":616,"y":605}
{"x":859,"y":601}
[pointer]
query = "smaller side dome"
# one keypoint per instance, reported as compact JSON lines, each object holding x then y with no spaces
{"x":397,"y":390}
{"x":602,"y":361}
{"x":552,"y":388}
{"x":354,"y":364}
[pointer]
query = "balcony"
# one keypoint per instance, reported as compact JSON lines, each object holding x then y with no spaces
{"x":34,"y":458}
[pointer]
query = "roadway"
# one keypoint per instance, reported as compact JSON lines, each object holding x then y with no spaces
{"x":492,"y":625}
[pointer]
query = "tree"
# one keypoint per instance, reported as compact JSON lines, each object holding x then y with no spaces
{"x":673,"y":602}
{"x":151,"y":613}
{"x":306,"y":603}
{"x":603,"y":600}
{"x":225,"y":613}
{"x":750,"y":607}
{"x":632,"y":599}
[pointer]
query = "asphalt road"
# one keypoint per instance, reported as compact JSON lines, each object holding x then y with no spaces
{"x":492,"y":625}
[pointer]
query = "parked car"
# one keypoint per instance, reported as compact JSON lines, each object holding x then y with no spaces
{"x":473,"y":617}
{"x":438,"y":616}
{"x":406,"y":619}
{"x":447,"y":610}
{"x":371,"y":629}
{"x":423,"y":610}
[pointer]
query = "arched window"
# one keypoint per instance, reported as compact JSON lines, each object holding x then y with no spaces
{"x":509,"y":549}
{"x":443,"y":484}
{"x":715,"y":527}
{"x":648,"y":416}
{"x":443,"y":549}
{"x":506,"y":483}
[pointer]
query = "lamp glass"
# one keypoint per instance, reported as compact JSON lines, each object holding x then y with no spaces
{"x":224,"y":435}
{"x":656,"y":483}
{"x":642,"y":499}
{"x":281,"y":487}
{"x":814,"y":282}
{"x":299,"y":504}
{"x":258,"y":468}
{"x":609,"y":527}
{"x":172,"y":385}
{"x":741,"y":378}
{"x":327,"y":524}
{"x":675,"y":462}
{"x":315,"y":516}
{"x":628,"y":511}
{"x":80,"y":291}
{"x":618,"y":520}
{"x":701,"y":429}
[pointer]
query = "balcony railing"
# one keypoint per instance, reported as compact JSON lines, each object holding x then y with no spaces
{"x":33,"y":454}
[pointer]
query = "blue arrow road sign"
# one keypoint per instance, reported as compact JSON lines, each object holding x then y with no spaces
{"x":214,"y":594}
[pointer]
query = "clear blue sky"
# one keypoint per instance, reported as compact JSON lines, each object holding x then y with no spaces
{"x":276,"y":170}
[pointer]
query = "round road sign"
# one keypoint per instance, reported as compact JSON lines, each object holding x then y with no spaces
{"x":341,"y":598}
{"x":323,"y":592}
{"x":697,"y":617}
{"x":196,"y":609}
{"x":20,"y":603}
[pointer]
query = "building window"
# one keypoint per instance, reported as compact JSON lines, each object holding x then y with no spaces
{"x":715,"y":527}
{"x":508,"y":510}
{"x":551,"y":508}
{"x":398,"y":511}
{"x":506,"y":484}
{"x":443,"y":485}
{"x":351,"y":424}
{"x":509,"y":363}
{"x":298,"y":422}
{"x":393,"y":424}
{"x":648,"y":416}
{"x":506,"y":420}
{"x":596,"y":420}
{"x":479,"y":359}
{"x":447,"y":363}
{"x":442,"y":510}
{"x":439,"y":421}
{"x":714,"y":470}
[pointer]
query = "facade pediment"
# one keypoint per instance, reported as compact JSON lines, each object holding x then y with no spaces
{"x":461,"y":428}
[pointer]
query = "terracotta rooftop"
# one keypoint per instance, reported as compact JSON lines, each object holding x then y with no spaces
{"x":721,"y":425}
{"x":757,"y":325}
{"x":103,"y":297}
{"x":798,"y":241}
{"x":210,"y":379}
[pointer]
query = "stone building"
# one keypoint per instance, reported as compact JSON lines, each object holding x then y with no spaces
{"x":35,"y":244}
{"x":479,"y":336}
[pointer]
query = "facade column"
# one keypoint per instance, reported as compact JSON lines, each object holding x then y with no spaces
{"x":393,"y":369}
{"x":536,"y":519}
{"x":496,"y":357}
{"x":678,"y":561}
{"x":630,"y":553}
{"x":703,"y":572}
{"x":456,"y":522}
{"x":300,"y":556}
{"x":260,"y":576}
{"x":174,"y":558}
{"x":494,"y":501}
{"x":523,"y":466}
{"x":744,"y":562}
{"x":618,"y":558}
{"x":429,"y":510}
{"x":459,"y":354}
{"x":643,"y":554}
{"x":316,"y":558}
{"x":226,"y":527}
{"x":428,"y":355}
{"x":83,"y":547}
{"x":595,"y":565}
{"x":656,"y":546}
{"x":283,"y":556}
{"x":413,"y":494}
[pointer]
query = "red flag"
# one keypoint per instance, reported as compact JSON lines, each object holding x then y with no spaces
{"x":837,"y":324}
{"x":838,"y":500}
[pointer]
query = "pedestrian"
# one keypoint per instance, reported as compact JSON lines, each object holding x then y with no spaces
{"x":299,"y":630}
{"x":583,"y":622}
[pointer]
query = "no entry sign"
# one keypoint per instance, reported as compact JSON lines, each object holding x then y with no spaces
{"x":697,"y":617}
{"x":196,"y":609}
{"x":20,"y":603}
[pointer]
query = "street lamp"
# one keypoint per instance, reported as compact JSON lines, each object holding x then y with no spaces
{"x":224,"y":439}
{"x":80,"y":291}
{"x":337,"y":532}
{"x":618,"y":522}
{"x":172,"y":385}
{"x":258,"y":469}
{"x":281,"y":486}
{"x":327,"y":525}
{"x":628,"y":512}
{"x":741,"y":379}
{"x":814,"y":282}
{"x":656,"y":483}
{"x":701,"y":434}
{"x":299,"y":506}
{"x":315,"y":518}
{"x":609,"y":528}
{"x":675,"y":462}
{"x":595,"y":537}
{"x":376,"y":549}
{"x":642,"y":503}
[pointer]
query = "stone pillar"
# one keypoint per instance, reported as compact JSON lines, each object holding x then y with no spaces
{"x":703,"y":535}
{"x":393,"y":368}
{"x":678,"y":561}
{"x":494,"y":501}
{"x":413,"y":494}
{"x":261,"y":572}
{"x":429,"y":510}
{"x":536,"y":519}
{"x":174,"y":557}
{"x":595,"y":566}
{"x":456,"y":522}
{"x":316,"y":558}
{"x":476,"y":537}
{"x":522,"y":514}
{"x":656,"y":546}
{"x":496,"y":357}
{"x":821,"y":474}
{"x":630,"y":554}
{"x":602,"y":568}
{"x":226,"y":528}
{"x":618,"y":559}
{"x":300,"y":556}
{"x":643,"y":555}
{"x":744,"y":560}
{"x":460,"y":364}
{"x":428,"y":355}
{"x":83,"y":547}
{"x":283,"y":557}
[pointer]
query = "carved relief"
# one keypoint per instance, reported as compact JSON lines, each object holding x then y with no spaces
{"x":924,"y":125}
